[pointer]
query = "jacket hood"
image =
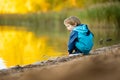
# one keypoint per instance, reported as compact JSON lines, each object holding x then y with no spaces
{"x":82,"y":28}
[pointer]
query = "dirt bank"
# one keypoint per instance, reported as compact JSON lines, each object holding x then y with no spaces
{"x":102,"y":64}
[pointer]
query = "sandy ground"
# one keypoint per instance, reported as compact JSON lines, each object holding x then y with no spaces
{"x":102,"y":64}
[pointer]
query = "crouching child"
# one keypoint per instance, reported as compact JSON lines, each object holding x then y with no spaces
{"x":81,"y":38}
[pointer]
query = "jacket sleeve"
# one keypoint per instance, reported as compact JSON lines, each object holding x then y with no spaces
{"x":72,"y":40}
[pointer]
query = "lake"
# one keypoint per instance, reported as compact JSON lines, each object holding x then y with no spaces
{"x":19,"y":46}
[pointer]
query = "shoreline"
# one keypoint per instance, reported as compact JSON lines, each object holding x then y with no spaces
{"x":58,"y":60}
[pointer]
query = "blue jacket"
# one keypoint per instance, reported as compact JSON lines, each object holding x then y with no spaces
{"x":81,"y":40}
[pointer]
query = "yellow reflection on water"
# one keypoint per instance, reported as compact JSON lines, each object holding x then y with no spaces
{"x":20,"y":47}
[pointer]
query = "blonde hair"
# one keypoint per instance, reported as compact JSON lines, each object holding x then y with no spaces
{"x":72,"y":20}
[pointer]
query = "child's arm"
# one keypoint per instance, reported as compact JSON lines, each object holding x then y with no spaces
{"x":72,"y":40}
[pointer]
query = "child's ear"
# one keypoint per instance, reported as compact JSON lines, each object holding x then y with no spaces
{"x":75,"y":24}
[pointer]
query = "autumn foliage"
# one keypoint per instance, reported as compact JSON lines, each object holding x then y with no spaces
{"x":25,"y":6}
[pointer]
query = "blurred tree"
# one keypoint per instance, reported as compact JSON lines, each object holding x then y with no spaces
{"x":39,"y":5}
{"x":24,"y":6}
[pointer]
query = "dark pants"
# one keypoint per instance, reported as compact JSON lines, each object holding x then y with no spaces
{"x":77,"y":51}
